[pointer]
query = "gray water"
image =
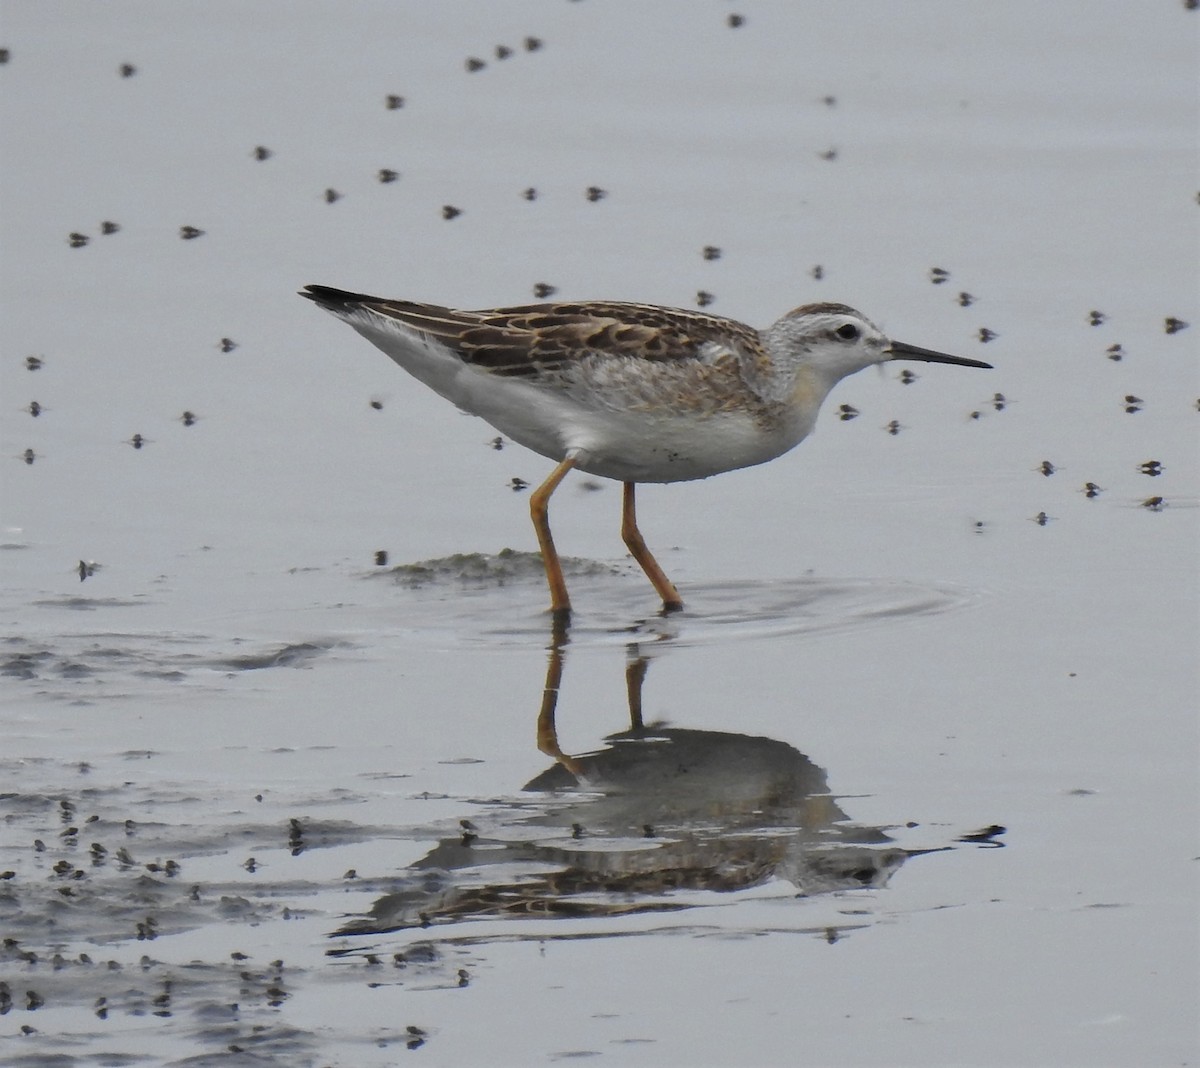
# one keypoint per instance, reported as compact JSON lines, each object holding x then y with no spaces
{"x":911,"y":780}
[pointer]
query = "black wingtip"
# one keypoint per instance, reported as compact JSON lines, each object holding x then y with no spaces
{"x":331,"y":298}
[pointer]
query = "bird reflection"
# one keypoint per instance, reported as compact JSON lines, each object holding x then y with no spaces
{"x":661,"y":819}
{"x":708,"y":809}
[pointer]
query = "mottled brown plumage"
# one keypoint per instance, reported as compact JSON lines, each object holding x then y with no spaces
{"x":531,"y":339}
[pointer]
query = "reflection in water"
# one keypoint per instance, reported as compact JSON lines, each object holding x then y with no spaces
{"x":661,"y":819}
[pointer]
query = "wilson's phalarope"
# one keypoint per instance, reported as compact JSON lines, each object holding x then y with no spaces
{"x":632,"y":392}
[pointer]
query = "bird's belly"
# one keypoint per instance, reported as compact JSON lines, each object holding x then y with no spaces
{"x":696,"y":451}
{"x":660,"y":447}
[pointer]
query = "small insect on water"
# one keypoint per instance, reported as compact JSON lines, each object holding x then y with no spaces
{"x":631,"y":392}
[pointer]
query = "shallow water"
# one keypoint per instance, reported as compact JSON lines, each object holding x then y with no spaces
{"x":912,"y":778}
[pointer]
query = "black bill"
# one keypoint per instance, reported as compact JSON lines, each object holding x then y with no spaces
{"x":901,"y":351}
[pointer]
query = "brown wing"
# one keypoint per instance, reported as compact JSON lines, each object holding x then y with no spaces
{"x":533,"y":339}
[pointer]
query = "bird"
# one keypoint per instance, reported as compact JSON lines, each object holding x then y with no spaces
{"x":626,"y":391}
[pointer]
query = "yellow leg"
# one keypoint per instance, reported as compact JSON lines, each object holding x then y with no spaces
{"x":637,"y":546}
{"x":539,"y":509}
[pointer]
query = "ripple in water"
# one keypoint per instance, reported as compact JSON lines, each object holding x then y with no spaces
{"x":502,"y":599}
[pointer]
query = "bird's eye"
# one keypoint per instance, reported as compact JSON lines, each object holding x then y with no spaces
{"x":847,"y":332}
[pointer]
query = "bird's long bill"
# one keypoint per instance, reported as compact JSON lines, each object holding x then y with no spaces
{"x":901,"y":351}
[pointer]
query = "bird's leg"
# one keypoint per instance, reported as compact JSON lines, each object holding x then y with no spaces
{"x":636,"y":544}
{"x":539,"y":509}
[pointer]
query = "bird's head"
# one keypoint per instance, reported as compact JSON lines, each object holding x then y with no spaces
{"x":835,"y":341}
